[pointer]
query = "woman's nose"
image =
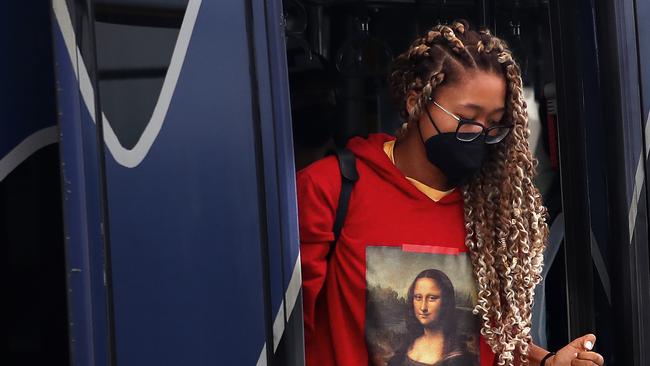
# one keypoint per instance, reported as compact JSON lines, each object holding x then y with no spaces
{"x":423,"y":307}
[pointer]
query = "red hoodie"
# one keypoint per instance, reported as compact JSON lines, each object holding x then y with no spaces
{"x":365,"y":305}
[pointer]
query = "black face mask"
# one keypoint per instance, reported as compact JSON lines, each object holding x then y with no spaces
{"x":458,"y":160}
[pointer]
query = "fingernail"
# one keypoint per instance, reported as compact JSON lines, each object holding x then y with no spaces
{"x":589,"y":345}
{"x":575,"y":355}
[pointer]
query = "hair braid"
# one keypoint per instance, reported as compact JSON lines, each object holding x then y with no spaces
{"x":505,"y":221}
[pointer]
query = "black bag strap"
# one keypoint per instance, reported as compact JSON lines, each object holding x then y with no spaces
{"x":349,"y":176}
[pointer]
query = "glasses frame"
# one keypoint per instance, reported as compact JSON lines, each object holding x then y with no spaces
{"x":464,"y":121}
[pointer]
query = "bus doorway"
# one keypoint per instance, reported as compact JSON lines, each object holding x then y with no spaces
{"x":338,"y":54}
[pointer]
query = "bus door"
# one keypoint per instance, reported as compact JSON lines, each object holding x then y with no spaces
{"x":177,"y":191}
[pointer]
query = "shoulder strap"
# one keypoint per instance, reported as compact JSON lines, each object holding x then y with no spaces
{"x":349,"y":176}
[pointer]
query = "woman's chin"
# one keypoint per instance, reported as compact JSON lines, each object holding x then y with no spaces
{"x":431,"y":325}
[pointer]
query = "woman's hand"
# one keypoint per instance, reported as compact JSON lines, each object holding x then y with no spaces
{"x":577,"y":353}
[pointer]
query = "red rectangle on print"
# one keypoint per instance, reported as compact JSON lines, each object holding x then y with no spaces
{"x":429,"y":249}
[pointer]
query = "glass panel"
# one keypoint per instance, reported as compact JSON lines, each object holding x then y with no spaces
{"x":135,"y":41}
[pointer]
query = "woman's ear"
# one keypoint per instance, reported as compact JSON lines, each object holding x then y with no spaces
{"x":411,"y":101}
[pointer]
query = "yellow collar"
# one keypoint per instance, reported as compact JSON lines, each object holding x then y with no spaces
{"x":430,"y":192}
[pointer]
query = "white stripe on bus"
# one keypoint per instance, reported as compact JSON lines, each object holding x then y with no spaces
{"x":26,"y":148}
{"x":129,"y":158}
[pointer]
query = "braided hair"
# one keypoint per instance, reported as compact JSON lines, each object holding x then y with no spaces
{"x":505,"y":221}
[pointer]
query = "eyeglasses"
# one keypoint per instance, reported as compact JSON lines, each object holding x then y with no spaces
{"x":469,"y":130}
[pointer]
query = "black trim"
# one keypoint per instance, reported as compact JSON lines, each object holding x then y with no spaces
{"x":286,"y":354}
{"x":630,"y":277}
{"x":638,"y":60}
{"x":91,"y":63}
{"x":290,"y":350}
{"x":261,"y":186}
{"x":565,"y":20}
{"x":277,"y":356}
{"x":643,"y":215}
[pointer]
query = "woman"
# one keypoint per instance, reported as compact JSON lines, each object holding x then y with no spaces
{"x":431,"y":325}
{"x":457,"y":179}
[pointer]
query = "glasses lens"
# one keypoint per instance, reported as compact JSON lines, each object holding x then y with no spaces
{"x":468,"y":131}
{"x":496,"y":134}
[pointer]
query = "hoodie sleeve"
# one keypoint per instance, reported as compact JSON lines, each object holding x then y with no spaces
{"x":317,"y":200}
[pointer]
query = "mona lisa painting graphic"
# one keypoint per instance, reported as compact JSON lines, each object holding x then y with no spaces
{"x":419,"y":308}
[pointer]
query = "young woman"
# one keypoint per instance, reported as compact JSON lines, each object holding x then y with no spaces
{"x":453,"y":191}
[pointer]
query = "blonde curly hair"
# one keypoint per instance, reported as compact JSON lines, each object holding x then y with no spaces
{"x":505,"y":220}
